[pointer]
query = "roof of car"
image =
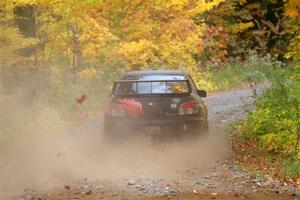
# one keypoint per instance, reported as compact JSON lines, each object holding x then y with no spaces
{"x":154,"y":72}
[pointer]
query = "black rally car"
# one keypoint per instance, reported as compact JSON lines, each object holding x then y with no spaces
{"x":162,"y":99}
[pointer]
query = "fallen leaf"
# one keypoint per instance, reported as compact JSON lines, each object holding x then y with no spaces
{"x":67,"y":187}
{"x":81,"y":98}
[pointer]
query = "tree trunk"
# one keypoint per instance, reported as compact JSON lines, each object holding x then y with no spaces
{"x":77,"y":60}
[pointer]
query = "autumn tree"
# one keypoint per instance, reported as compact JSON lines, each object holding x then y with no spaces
{"x":12,"y":41}
{"x":266,"y":32}
{"x":82,"y":35}
{"x":158,"y":33}
{"x":292,"y":11}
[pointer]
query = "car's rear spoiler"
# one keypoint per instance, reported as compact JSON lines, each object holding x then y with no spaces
{"x":137,"y":81}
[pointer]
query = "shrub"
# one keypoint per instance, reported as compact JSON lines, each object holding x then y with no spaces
{"x":275,"y":121}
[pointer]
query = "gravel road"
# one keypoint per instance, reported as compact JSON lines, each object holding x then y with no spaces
{"x":78,"y":164}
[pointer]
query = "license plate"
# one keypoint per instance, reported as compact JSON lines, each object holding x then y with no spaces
{"x":153,"y":129}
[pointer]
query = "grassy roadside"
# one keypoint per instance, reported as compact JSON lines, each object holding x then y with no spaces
{"x":237,"y":72}
{"x":266,"y":142}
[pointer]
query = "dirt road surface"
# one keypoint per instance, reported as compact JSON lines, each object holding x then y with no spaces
{"x":78,"y":164}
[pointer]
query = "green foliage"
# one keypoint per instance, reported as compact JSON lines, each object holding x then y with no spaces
{"x":262,"y":24}
{"x":275,"y":121}
{"x":236,"y":72}
{"x":293,"y":170}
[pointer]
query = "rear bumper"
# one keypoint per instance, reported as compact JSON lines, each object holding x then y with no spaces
{"x":132,"y":122}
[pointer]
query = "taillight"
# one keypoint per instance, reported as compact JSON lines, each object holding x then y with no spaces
{"x":188,"y":108}
{"x":117,"y":110}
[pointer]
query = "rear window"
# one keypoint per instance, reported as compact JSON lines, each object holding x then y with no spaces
{"x":152,"y":87}
{"x":152,"y":77}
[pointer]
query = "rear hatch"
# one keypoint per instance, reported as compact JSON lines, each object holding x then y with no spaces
{"x":158,"y":98}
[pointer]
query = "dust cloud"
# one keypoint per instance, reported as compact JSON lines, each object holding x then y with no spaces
{"x":43,"y":155}
{"x":54,"y":160}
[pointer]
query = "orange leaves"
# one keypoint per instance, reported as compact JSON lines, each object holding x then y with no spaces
{"x":293,"y":8}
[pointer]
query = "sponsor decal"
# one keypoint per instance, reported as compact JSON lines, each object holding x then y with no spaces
{"x":132,"y":107}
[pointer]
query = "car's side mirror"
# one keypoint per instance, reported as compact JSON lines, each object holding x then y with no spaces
{"x":202,"y":93}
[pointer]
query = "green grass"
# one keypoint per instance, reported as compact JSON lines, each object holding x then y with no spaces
{"x":293,"y":170}
{"x":236,"y":73}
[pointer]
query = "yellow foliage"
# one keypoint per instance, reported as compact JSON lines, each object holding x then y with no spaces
{"x":176,"y":5}
{"x":202,"y":79}
{"x":204,"y":6}
{"x":80,"y":27}
{"x":240,"y":27}
{"x":138,"y":53}
{"x":10,"y":42}
{"x":145,"y":33}
{"x":293,"y":12}
{"x":156,"y":33}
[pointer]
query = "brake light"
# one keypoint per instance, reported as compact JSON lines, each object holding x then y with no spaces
{"x":188,"y":108}
{"x":116,"y":110}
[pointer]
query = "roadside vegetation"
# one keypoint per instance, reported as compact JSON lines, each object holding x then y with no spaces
{"x":267,"y":141}
{"x":236,"y":72}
